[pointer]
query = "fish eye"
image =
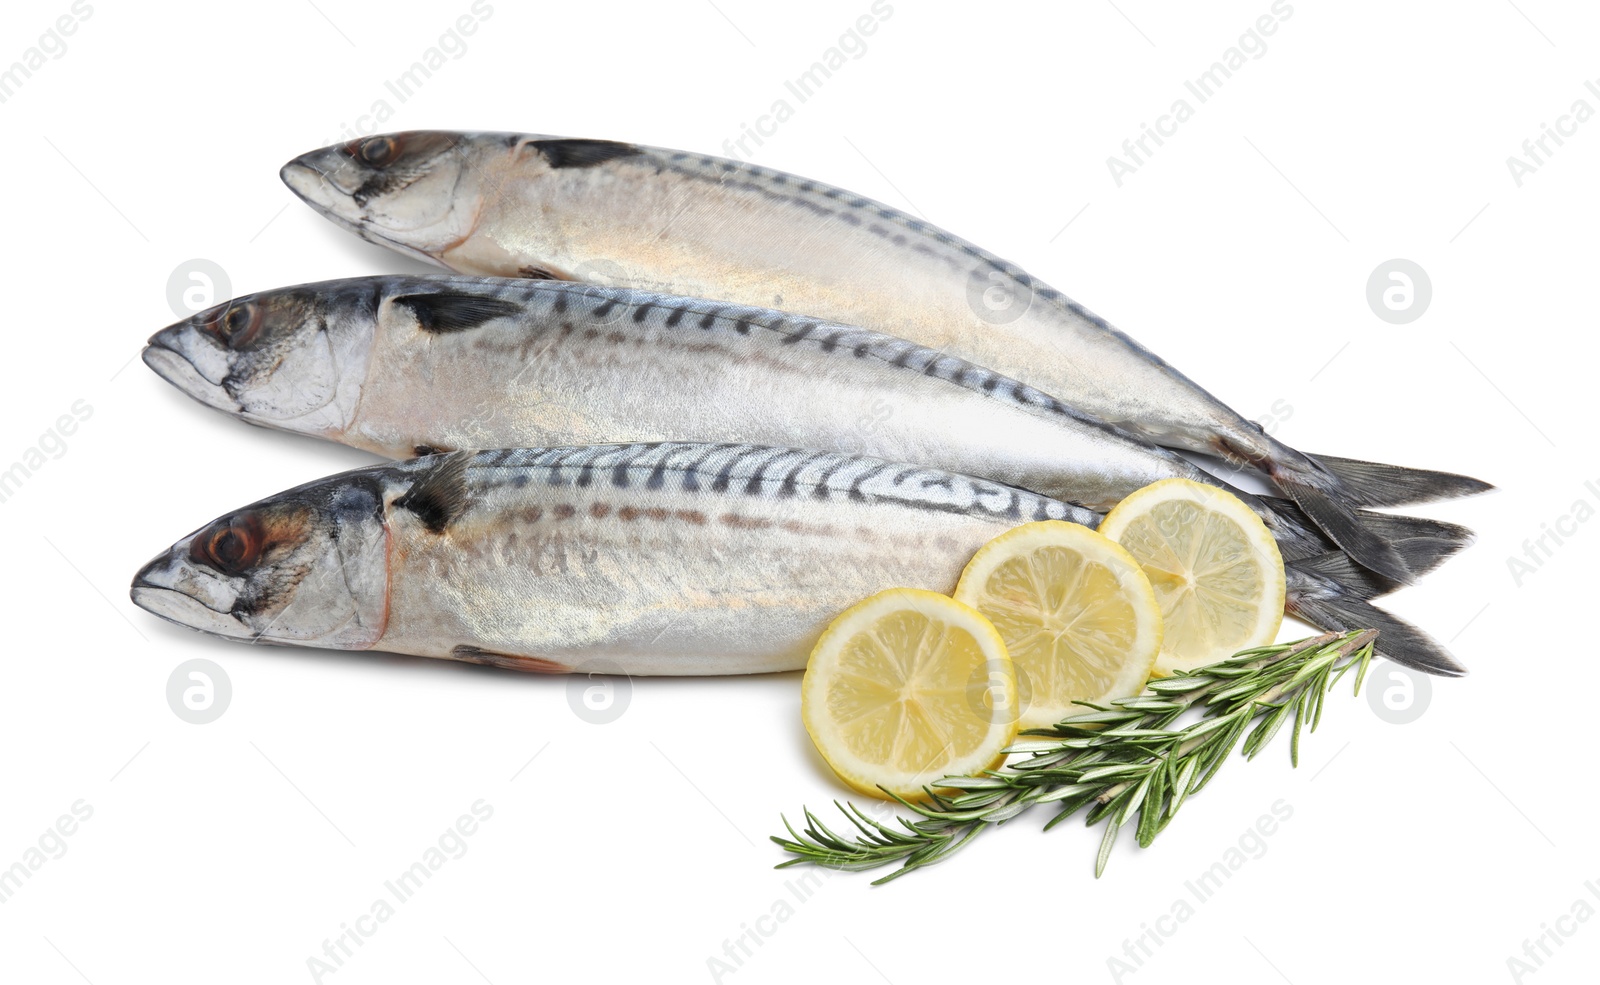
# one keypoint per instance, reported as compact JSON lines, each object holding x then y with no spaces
{"x":237,"y":324}
{"x":376,"y":152}
{"x":231,"y":546}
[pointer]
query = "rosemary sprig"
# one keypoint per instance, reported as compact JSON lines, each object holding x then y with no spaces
{"x":1125,"y":763}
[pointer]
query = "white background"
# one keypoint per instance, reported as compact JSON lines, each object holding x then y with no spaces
{"x":1240,"y":252}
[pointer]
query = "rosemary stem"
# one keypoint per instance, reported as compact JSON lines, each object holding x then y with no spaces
{"x":1128,"y":764}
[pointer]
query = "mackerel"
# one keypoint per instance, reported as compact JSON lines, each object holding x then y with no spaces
{"x":690,"y":224}
{"x":404,"y":366}
{"x":656,"y":558}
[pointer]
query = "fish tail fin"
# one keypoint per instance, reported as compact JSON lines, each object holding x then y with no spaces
{"x":1422,"y":554}
{"x":1422,"y":543}
{"x":1341,"y":568}
{"x":1329,"y":605}
{"x":1403,"y":530}
{"x":1322,"y":498}
{"x":1376,"y":484}
{"x":1338,"y":567}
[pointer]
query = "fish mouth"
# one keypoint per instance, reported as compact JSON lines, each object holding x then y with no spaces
{"x":176,"y":368}
{"x":313,"y":187}
{"x":317,"y":189}
{"x":185,"y":610}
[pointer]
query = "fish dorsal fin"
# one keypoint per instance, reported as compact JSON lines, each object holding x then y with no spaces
{"x":440,"y":493}
{"x":452,"y":311}
{"x":582,"y":153}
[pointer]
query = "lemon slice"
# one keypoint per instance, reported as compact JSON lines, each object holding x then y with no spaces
{"x":908,"y":687}
{"x":1213,"y":564}
{"x":1077,"y":615}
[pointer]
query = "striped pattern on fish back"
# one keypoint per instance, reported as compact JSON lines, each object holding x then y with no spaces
{"x":732,"y":471}
{"x":836,"y":204}
{"x":593,"y":306}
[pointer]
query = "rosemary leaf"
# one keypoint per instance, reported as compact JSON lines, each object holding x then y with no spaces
{"x":1128,"y":762}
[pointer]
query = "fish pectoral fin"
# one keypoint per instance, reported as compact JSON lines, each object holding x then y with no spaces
{"x":507,"y":661}
{"x":579,"y":152}
{"x":440,"y":494}
{"x":453,"y":311}
{"x":531,"y":272}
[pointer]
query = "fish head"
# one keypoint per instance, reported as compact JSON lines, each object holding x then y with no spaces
{"x":415,"y":192}
{"x":292,"y":359}
{"x":306,"y":567}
